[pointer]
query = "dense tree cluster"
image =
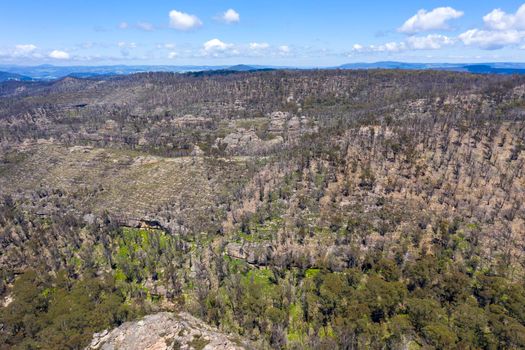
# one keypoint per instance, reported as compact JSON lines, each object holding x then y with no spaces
{"x":60,"y":312}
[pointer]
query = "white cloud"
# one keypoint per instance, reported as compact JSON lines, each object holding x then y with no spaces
{"x":148,"y":27}
{"x":392,"y":47}
{"x":429,"y":42}
{"x":218,"y":48}
{"x":388,"y":47}
{"x":357,"y":47}
{"x":231,"y":16}
{"x":24,"y":49}
{"x":169,"y":46}
{"x":492,"y":40}
{"x":216,"y":45}
{"x":172,"y":55}
{"x":284,"y":49}
{"x":501,"y":29}
{"x":123,"y":25}
{"x":21,"y":51}
{"x":59,"y":55}
{"x":500,"y":20}
{"x":259,"y":46}
{"x":183,"y":21}
{"x":425,"y":21}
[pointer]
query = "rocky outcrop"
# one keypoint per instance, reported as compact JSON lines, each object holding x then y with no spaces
{"x":191,"y":121}
{"x":282,"y":129}
{"x":292,"y":126}
{"x":246,"y":141}
{"x":163,"y":331}
{"x":277,"y":122}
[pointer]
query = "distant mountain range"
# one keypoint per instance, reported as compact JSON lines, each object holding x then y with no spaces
{"x":482,"y":68}
{"x":5,"y":76}
{"x":50,"y":72}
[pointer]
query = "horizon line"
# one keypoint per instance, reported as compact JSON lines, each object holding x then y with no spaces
{"x":261,"y":65}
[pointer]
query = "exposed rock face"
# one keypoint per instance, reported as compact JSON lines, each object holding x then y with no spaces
{"x":292,"y":126}
{"x":164,"y":331}
{"x":243,"y":140}
{"x":277,"y":121}
{"x":191,"y":121}
{"x":282,"y":129}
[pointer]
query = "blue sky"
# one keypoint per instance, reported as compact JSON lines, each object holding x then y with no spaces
{"x":300,"y":33}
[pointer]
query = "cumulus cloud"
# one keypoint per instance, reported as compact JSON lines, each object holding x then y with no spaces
{"x":218,"y":48}
{"x":429,"y":42}
{"x":500,"y":20}
{"x":231,"y":16}
{"x":388,"y":47}
{"x":183,"y":21}
{"x":424,"y":21}
{"x":59,"y":55}
{"x":216,"y":45}
{"x":172,"y":55}
{"x":24,"y":49}
{"x":259,"y":46}
{"x":21,"y":51}
{"x":501,"y":29}
{"x":492,"y":39}
{"x":392,"y":47}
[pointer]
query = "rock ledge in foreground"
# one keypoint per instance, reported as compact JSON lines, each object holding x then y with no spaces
{"x":164,"y":331}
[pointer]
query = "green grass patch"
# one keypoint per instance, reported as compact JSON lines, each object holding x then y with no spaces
{"x":311,"y":273}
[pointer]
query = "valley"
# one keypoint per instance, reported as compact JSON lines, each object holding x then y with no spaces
{"x":286,"y":209}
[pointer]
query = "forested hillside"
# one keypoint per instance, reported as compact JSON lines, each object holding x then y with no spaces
{"x":294,"y":209}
